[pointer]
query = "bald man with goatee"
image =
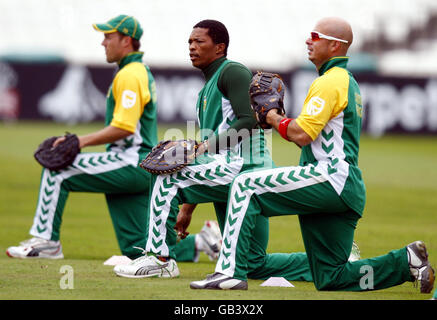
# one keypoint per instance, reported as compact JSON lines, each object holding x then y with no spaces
{"x":326,"y":190}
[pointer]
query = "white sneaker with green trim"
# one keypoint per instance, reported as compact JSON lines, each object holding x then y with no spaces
{"x":147,"y":267}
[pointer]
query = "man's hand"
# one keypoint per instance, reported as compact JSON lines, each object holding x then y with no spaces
{"x":272,"y":117}
{"x":58,"y":141}
{"x":202,"y":148}
{"x":183,"y":220}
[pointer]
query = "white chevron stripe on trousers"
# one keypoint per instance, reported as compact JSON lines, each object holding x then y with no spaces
{"x":167,"y":186}
{"x":277,"y":180}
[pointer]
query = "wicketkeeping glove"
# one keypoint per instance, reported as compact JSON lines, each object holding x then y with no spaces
{"x":59,"y":157}
{"x":266,"y":92}
{"x":170,"y":156}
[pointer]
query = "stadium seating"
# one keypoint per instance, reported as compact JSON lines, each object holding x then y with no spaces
{"x":269,"y":35}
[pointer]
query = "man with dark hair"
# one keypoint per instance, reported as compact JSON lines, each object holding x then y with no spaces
{"x":130,"y":133}
{"x":136,"y":44}
{"x":217,"y":31}
{"x":229,"y":147}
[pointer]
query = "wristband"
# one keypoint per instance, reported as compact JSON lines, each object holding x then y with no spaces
{"x":283,"y":126}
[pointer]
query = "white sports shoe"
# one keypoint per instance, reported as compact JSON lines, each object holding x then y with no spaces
{"x":210,"y":239}
{"x":148,"y":266}
{"x":36,"y":248}
{"x":420,"y":268}
{"x":218,"y":281}
{"x":355,"y":253}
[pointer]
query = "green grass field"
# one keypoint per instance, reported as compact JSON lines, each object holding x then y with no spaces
{"x":401,"y":178}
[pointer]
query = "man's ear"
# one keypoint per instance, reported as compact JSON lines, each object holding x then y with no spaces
{"x":126,"y":41}
{"x":336,"y":46}
{"x":220,"y":48}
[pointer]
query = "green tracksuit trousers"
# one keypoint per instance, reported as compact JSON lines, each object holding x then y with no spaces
{"x":327,"y":227}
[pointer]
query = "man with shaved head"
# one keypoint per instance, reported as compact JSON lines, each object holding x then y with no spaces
{"x":325,"y":190}
{"x":339,"y":40}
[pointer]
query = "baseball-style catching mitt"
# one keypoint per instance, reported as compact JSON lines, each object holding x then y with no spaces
{"x":59,"y":157}
{"x":170,"y":156}
{"x":266,"y":93}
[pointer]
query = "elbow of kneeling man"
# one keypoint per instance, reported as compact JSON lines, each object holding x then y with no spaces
{"x":302,"y":140}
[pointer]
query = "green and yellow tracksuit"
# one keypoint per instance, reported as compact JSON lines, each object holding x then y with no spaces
{"x":131,"y":106}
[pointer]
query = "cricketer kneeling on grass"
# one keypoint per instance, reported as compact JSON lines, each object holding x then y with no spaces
{"x":130,"y":132}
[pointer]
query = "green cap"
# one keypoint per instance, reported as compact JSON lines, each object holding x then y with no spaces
{"x":127,"y":25}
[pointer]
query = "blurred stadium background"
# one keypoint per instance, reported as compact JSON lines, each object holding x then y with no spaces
{"x":397,"y":36}
{"x":52,"y":65}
